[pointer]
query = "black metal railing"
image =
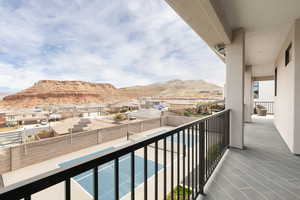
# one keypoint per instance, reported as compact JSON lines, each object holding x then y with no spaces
{"x":188,"y":155}
{"x":269,"y":105}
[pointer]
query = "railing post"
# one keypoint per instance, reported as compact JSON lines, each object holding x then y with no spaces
{"x":201,"y":157}
{"x":228,"y":128}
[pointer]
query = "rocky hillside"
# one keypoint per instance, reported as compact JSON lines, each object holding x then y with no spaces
{"x":173,"y":88}
{"x":47,"y":92}
{"x":3,"y":94}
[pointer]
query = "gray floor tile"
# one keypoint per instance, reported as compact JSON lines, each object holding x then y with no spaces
{"x":265,"y":170}
{"x":252,"y":194}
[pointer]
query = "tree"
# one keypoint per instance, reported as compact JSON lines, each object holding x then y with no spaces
{"x":119,"y":117}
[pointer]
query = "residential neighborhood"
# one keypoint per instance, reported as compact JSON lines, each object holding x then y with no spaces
{"x":49,"y":121}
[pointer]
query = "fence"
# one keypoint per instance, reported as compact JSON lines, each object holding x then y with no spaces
{"x":269,"y":105}
{"x":23,"y":155}
{"x":197,"y":150}
{"x":16,"y":137}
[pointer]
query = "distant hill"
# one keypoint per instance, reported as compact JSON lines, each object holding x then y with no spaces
{"x":3,"y":94}
{"x":46,"y":92}
{"x":173,"y":88}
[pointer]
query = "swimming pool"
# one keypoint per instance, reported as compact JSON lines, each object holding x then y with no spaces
{"x":175,"y":137}
{"x":106,"y":175}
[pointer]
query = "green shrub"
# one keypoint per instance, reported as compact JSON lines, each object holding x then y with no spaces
{"x":124,"y":110}
{"x":187,"y":113}
{"x":119,"y":117}
{"x":213,"y":152}
{"x":180,"y":190}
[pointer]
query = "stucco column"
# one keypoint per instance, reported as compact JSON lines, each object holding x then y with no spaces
{"x":248,"y":105}
{"x":234,"y":100}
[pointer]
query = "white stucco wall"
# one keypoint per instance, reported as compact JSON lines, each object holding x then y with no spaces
{"x":266,"y":91}
{"x":297,"y":87}
{"x":285,"y":105}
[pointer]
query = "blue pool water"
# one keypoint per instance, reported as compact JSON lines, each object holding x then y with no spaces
{"x":176,"y":137}
{"x":185,"y":138}
{"x":106,"y":175}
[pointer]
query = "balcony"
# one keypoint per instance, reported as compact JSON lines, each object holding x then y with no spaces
{"x":264,"y":170}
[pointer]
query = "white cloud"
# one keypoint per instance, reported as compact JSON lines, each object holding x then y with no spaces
{"x":122,"y":42}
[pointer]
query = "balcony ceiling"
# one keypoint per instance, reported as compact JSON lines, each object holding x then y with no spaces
{"x":267,"y":24}
{"x":201,"y":16}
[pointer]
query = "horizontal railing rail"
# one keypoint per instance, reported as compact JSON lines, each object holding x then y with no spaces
{"x":269,"y":105}
{"x":193,"y":151}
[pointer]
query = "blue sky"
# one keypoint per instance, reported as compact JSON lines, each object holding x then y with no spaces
{"x":123,"y":42}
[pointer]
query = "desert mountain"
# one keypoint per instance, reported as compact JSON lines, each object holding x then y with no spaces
{"x":47,"y":92}
{"x":173,"y":88}
{"x":3,"y":94}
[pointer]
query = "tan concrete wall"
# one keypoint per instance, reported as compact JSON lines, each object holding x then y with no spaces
{"x":5,"y":161}
{"x":178,"y":120}
{"x":151,"y":124}
{"x":27,"y":154}
{"x":112,"y":133}
{"x":35,"y":152}
{"x":135,"y":127}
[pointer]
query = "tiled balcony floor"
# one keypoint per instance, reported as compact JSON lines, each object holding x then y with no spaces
{"x":264,"y":170}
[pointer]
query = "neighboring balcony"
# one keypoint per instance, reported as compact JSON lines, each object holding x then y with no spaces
{"x":268,"y":105}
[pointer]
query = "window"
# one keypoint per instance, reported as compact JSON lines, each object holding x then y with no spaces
{"x":255,"y":89}
{"x":275,"y":82}
{"x":288,"y":54}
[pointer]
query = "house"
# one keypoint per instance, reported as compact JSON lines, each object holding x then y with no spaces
{"x":204,"y":92}
{"x":2,"y":119}
{"x":125,"y":105}
{"x":25,"y":116}
{"x":216,"y":92}
{"x":91,"y":110}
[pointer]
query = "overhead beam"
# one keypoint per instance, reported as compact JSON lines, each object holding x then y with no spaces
{"x":206,"y":18}
{"x":263,"y":78}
